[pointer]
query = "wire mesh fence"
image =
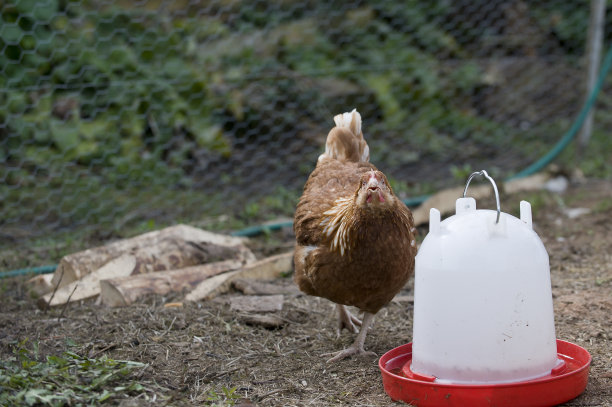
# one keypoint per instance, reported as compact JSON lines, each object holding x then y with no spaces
{"x":116,"y":113}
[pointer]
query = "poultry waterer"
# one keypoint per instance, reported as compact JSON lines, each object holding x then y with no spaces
{"x":483,"y":332}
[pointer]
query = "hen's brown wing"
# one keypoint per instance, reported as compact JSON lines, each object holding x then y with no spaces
{"x":330,"y":180}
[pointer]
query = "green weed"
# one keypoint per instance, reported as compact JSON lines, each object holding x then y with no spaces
{"x":226,"y":397}
{"x":66,"y":380}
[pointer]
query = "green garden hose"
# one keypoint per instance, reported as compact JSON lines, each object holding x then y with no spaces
{"x":415,"y":201}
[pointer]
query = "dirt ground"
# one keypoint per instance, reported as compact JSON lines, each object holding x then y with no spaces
{"x":200,"y":348}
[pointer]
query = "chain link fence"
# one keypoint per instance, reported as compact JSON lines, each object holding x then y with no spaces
{"x":116,"y":114}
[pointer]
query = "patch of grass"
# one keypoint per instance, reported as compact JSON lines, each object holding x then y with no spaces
{"x":603,"y":205}
{"x":601,"y":281}
{"x":461,"y":173}
{"x":282,"y":202}
{"x":225,"y":397}
{"x":65,"y":380}
{"x":539,"y":200}
{"x":251,"y":210}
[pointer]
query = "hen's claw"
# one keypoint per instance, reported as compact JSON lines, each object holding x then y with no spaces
{"x":346,"y":320}
{"x":351,"y":350}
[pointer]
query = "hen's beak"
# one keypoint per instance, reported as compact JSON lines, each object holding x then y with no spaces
{"x":374,"y":189}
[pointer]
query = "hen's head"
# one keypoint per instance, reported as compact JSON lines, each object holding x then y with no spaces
{"x":374,"y":190}
{"x":373,"y":200}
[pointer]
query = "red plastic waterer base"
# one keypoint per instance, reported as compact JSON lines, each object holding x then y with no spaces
{"x":555,"y":388}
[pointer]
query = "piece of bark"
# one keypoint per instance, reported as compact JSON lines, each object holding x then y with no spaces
{"x":123,"y":291}
{"x":265,"y":269}
{"x":531,"y":183}
{"x":40,"y":285}
{"x":257,"y":303}
{"x":256,"y":287}
{"x":170,"y":248}
{"x":266,"y":321}
{"x":89,"y":285}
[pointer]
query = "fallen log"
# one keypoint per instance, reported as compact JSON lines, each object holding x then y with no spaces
{"x":265,"y":269}
{"x":170,"y":248}
{"x":123,"y":291}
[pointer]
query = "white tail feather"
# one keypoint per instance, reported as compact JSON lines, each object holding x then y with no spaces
{"x":333,"y":149}
{"x":350,"y":120}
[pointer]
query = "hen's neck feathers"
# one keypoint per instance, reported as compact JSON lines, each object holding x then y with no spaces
{"x":342,"y":224}
{"x":335,"y":223}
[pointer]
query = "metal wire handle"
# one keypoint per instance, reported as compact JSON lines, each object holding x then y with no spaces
{"x":484,"y":173}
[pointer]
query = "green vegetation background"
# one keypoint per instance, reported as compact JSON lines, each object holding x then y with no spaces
{"x":102,"y":104}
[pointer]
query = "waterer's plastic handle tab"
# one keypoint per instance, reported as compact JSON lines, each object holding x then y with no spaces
{"x":526,"y":213}
{"x":484,"y":173}
{"x":465,"y":205}
{"x":434,"y":221}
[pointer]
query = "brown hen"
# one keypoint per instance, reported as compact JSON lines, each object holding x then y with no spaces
{"x":355,"y":238}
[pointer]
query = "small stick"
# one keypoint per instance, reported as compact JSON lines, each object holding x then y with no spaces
{"x":270,"y":393}
{"x":67,"y":301}
{"x":54,"y":290}
{"x":111,"y":346}
{"x":169,"y":328}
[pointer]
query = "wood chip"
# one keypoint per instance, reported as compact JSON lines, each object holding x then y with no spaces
{"x":173,"y":305}
{"x":404,"y":298}
{"x":256,"y":287}
{"x":257,"y":303}
{"x":266,"y":321}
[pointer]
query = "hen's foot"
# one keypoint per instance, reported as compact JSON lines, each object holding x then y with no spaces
{"x":351,"y":350}
{"x":357,"y":347}
{"x":346,"y":320}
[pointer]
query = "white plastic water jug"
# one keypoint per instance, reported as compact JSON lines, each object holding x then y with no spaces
{"x":483,"y":309}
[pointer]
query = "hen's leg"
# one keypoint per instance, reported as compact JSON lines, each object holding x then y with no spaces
{"x":346,"y":320}
{"x":357,"y":347}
